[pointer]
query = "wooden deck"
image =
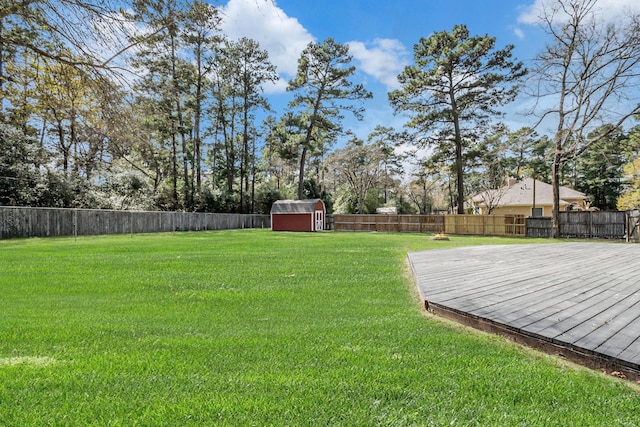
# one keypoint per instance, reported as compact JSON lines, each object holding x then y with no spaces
{"x":578,"y":300}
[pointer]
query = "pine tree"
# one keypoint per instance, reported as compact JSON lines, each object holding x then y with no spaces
{"x":456,"y":84}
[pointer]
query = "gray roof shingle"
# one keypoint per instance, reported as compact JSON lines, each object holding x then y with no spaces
{"x":294,"y":206}
{"x":521,"y":194}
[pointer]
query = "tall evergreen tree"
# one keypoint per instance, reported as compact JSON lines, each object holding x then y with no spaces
{"x":201,"y":35}
{"x":167,"y":79}
{"x":456,"y":84}
{"x":599,"y":171}
{"x":322,"y":91}
{"x":251,"y":71}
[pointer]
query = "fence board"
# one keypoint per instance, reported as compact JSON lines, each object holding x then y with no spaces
{"x":44,"y":222}
{"x":538,"y":227}
{"x":633,"y":226}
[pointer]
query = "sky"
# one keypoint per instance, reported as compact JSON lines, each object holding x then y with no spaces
{"x":381,"y":35}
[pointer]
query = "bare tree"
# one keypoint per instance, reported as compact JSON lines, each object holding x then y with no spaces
{"x":492,"y":198}
{"x":584,"y":78}
{"x":67,"y":31}
{"x":360,"y":167}
{"x":420,"y":192}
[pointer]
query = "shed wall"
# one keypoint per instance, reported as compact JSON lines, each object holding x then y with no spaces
{"x":292,"y":222}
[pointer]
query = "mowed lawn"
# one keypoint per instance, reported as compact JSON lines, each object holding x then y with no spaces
{"x":257,"y":328}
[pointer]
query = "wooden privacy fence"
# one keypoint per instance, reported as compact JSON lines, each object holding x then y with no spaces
{"x":406,"y":223}
{"x":485,"y":225}
{"x":589,"y":224}
{"x":509,"y":225}
{"x":538,"y":227}
{"x":43,"y":222}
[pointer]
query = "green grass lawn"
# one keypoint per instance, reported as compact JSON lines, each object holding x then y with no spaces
{"x":256,"y":328}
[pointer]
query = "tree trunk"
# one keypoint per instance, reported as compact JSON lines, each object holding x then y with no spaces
{"x":197,"y":143}
{"x":253,"y":177}
{"x":64,"y":148}
{"x":460,"y":176}
{"x":174,"y":170}
{"x":244,"y":161}
{"x":555,"y":183}
{"x":2,"y":56}
{"x":187,"y":202}
{"x":227,"y":136}
{"x":197,"y":115}
{"x":457,"y":135}
{"x":303,"y":159}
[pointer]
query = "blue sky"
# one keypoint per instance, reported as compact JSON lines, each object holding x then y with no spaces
{"x":381,"y":35}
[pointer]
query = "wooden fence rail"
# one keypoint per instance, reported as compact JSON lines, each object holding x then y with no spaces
{"x":43,"y":222}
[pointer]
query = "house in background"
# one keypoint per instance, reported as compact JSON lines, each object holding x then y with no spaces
{"x":528,"y":197}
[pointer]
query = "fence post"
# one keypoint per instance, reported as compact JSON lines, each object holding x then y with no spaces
{"x":74,"y":220}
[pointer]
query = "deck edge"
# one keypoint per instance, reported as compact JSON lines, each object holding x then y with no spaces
{"x":585,"y":357}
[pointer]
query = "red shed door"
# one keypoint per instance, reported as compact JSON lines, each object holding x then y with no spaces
{"x":319,"y":220}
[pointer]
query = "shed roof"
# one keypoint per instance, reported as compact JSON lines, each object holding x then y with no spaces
{"x":294,"y":206}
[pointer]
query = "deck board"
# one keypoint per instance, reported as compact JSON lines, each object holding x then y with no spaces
{"x":584,"y":297}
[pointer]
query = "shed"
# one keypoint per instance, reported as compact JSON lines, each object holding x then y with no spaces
{"x":298,"y":215}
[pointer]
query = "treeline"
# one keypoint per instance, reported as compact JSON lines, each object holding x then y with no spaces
{"x":173,"y":117}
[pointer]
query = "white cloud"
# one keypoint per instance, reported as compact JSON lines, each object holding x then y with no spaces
{"x":383,"y":59}
{"x":608,"y":9}
{"x":280,"y":35}
{"x":285,"y":38}
{"x":518,"y":33}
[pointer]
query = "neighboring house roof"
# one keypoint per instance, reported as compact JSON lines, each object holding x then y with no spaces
{"x":294,"y":206}
{"x":521,"y":194}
